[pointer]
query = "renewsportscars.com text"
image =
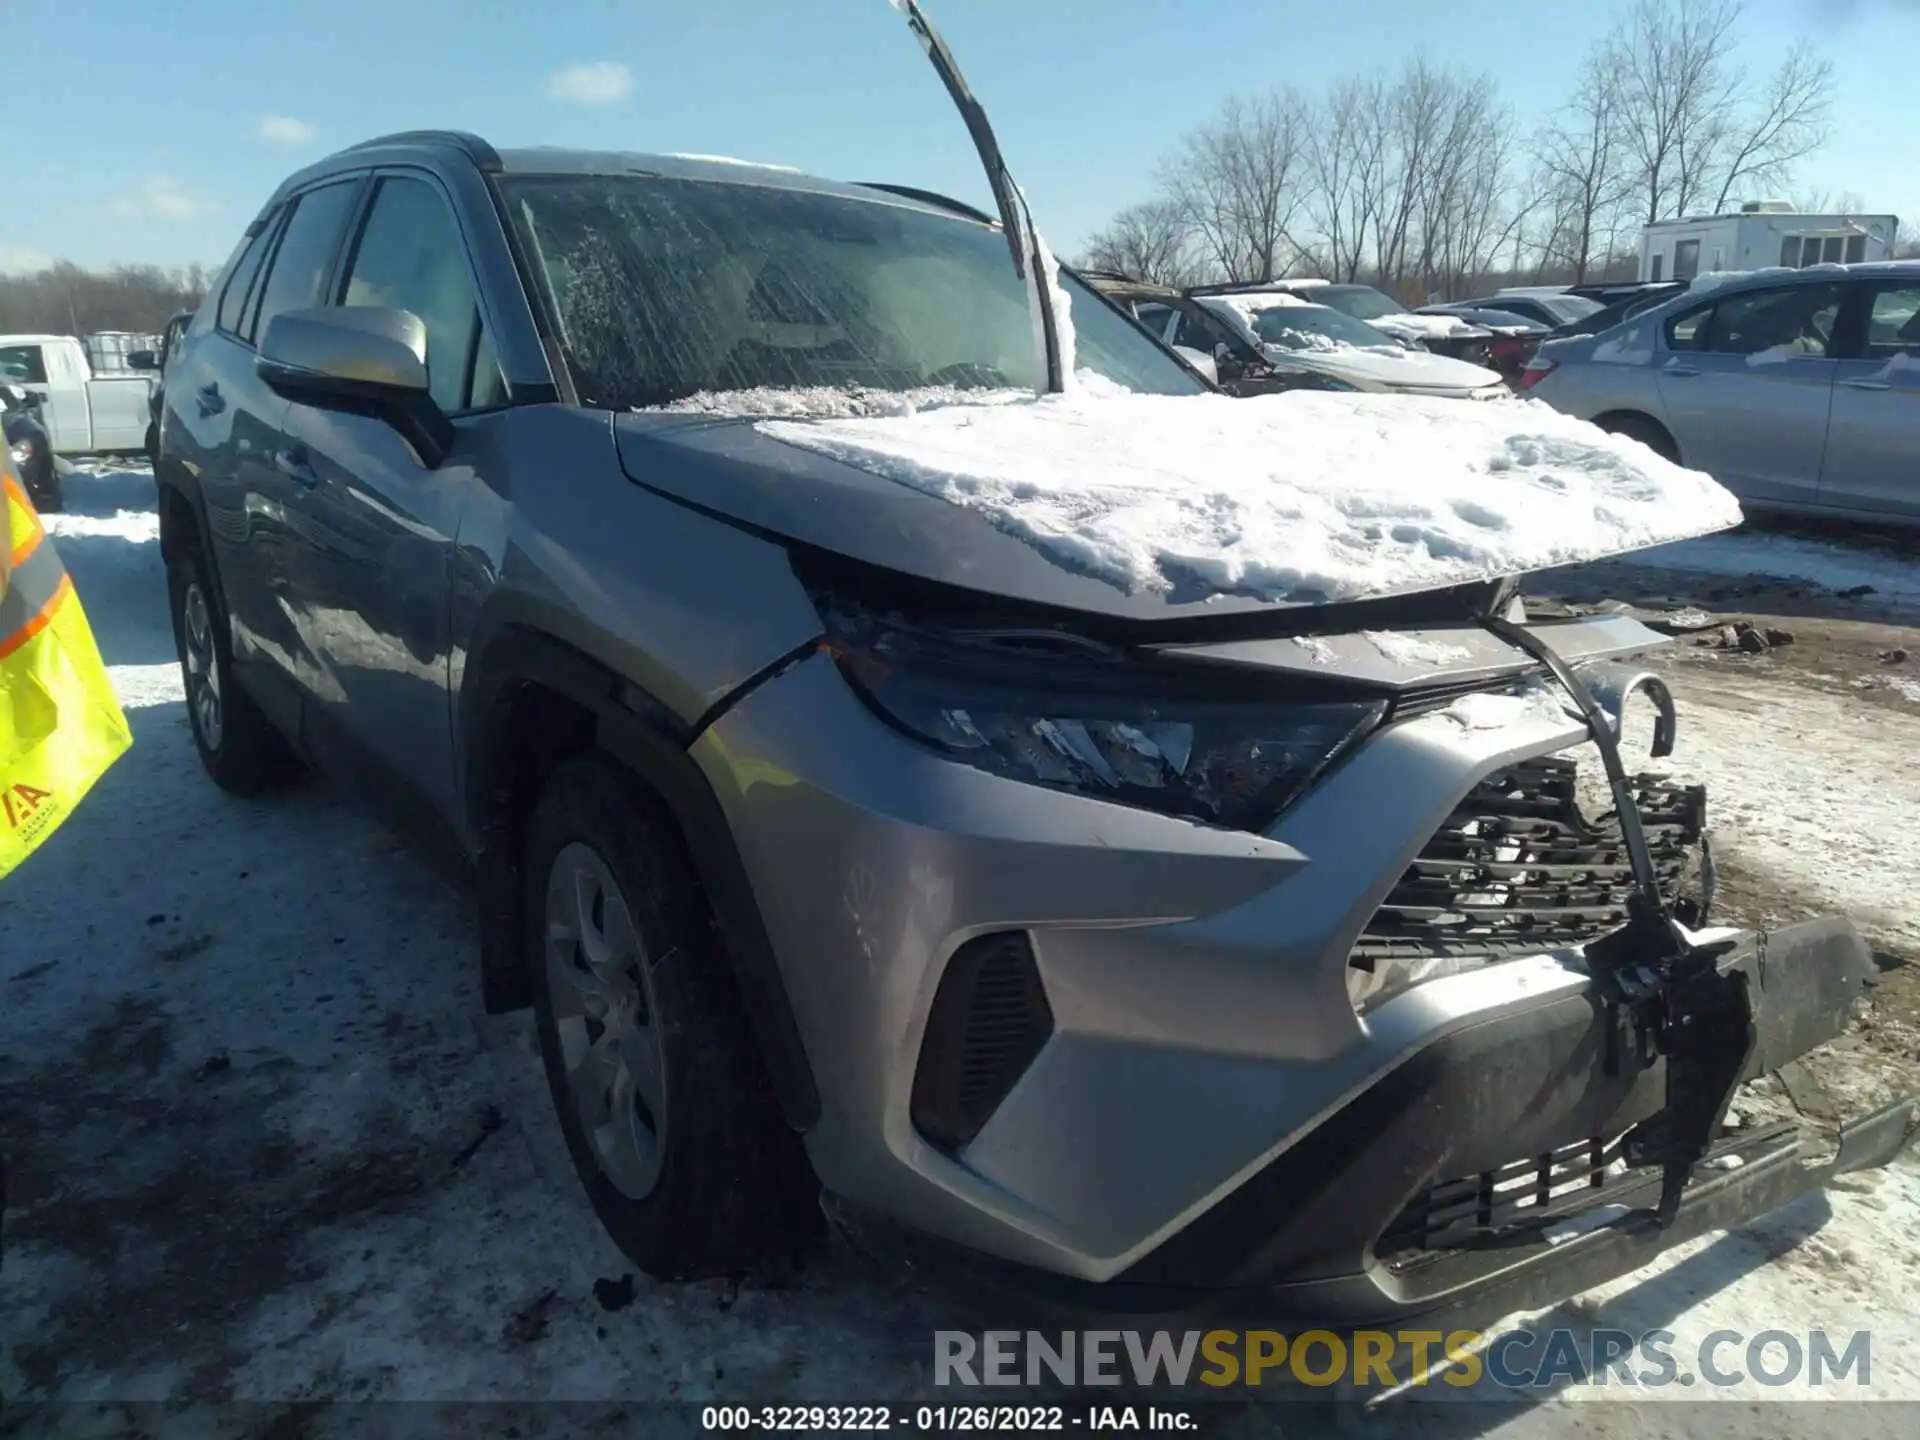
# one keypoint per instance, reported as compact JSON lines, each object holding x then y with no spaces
{"x":1511,"y":1359}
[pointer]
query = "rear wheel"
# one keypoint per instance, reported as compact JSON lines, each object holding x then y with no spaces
{"x":238,"y":745}
{"x":1649,"y":432}
{"x":657,"y":1084}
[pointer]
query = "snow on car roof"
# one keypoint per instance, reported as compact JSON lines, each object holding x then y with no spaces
{"x":1303,"y":496}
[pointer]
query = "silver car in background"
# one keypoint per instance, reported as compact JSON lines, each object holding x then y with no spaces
{"x":1799,"y":390}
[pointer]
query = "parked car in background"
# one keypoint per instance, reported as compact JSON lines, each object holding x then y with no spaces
{"x":1612,"y":292}
{"x":1219,"y":349}
{"x":1545,"y":309}
{"x":854,"y":850}
{"x":1511,"y":338}
{"x":1299,"y":333}
{"x":154,"y":362}
{"x":1442,"y":334}
{"x":1620,"y":304}
{"x":85,"y":414}
{"x":29,"y":446}
{"x":1799,"y":391}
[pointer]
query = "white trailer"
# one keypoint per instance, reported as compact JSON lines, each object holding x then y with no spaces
{"x":1762,"y":233}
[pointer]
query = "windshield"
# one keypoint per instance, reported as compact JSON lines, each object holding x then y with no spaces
{"x":1568,"y":308}
{"x":1363,"y":302}
{"x":1314,"y":327}
{"x":669,"y":288}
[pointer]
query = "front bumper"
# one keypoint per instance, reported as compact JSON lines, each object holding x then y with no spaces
{"x":1208,"y":1110}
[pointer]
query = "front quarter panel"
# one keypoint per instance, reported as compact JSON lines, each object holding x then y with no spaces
{"x":685,"y":607}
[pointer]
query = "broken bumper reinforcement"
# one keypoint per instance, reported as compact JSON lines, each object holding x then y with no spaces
{"x":1507,"y":1164}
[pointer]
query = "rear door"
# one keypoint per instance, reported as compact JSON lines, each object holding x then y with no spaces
{"x":374,"y":550}
{"x":1873,"y":444}
{"x":1747,"y":385}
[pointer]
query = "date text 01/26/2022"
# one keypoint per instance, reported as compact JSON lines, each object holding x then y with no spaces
{"x":977,"y":1419}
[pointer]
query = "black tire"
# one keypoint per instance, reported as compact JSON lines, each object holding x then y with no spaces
{"x":239,"y":747}
{"x":1649,"y":432}
{"x":730,"y":1187}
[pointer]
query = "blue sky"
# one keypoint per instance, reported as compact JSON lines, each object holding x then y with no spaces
{"x":164,"y":128}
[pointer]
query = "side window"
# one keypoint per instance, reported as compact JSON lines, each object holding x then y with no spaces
{"x":488,"y":388}
{"x":1790,"y":252}
{"x":1794,"y":321}
{"x":1195,"y":334}
{"x":1689,"y":331}
{"x":1856,"y":249}
{"x":298,"y":278}
{"x":1893,"y":323}
{"x":234,"y":297}
{"x":23,"y":364}
{"x":410,"y":256}
{"x":1654,"y":273}
{"x":1686,"y":259}
{"x":1153,"y":316}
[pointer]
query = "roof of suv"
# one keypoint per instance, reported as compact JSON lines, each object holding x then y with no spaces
{"x":557,"y":160}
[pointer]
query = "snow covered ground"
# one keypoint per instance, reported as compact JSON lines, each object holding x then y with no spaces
{"x":262,"y":1145}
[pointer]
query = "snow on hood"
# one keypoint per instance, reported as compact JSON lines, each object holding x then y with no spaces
{"x":1301,"y":496}
{"x":1424,"y":326}
{"x":1377,"y":365}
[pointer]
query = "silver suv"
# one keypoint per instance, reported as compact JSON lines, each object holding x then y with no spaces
{"x":848,"y":846}
{"x":1797,"y":390}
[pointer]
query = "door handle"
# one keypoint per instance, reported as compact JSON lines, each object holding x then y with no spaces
{"x":211,"y":401}
{"x":1867,"y":384}
{"x":1680,"y":372}
{"x":297,"y":465}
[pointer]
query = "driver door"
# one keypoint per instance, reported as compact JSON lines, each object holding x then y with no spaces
{"x":1747,"y":384}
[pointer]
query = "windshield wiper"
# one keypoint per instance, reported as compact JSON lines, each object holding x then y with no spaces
{"x":1016,"y":219}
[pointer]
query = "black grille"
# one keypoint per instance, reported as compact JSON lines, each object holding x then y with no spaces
{"x":989,"y":1019}
{"x":1520,"y":1199}
{"x":1521,"y":1196}
{"x":1518,"y":868}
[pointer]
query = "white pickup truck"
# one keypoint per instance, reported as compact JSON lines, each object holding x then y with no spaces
{"x":85,"y":414}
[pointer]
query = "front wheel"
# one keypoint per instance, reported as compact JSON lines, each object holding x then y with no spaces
{"x":239,"y":748}
{"x":1650,"y":433}
{"x":657,"y":1084}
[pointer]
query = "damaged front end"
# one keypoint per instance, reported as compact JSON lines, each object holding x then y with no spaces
{"x":1702,"y":1000}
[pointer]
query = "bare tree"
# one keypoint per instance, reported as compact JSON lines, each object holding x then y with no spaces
{"x":1906,"y":241}
{"x":1584,"y":170}
{"x":64,"y":298}
{"x":1759,"y":142}
{"x":1236,"y":182}
{"x":1346,"y":165}
{"x":1696,"y":129}
{"x":1150,"y":241}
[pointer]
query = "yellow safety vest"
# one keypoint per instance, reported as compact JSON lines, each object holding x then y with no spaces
{"x":60,"y":724}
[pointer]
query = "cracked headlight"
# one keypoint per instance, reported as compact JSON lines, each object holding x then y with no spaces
{"x":1052,"y":709}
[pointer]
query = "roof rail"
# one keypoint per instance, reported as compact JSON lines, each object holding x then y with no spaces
{"x":1241,"y":287}
{"x":930,"y":197}
{"x":477,"y":150}
{"x":1091,"y":274}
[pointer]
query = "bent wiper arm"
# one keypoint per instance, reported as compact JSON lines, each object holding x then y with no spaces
{"x":1023,"y":237}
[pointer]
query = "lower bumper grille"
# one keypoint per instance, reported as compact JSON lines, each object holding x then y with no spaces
{"x":1518,"y":869}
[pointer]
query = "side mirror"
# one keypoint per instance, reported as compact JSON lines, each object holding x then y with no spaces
{"x":363,"y":360}
{"x":1201,"y":362}
{"x":142,"y":360}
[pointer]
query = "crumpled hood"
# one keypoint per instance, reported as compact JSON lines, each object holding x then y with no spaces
{"x":1150,"y":506}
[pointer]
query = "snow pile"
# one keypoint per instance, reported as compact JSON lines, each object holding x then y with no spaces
{"x":1291,"y":339}
{"x":1304,"y":496}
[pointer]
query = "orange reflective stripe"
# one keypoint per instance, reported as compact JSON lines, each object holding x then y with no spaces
{"x":34,"y":531}
{"x":39,"y":620}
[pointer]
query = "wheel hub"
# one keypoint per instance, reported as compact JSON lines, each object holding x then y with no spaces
{"x":599,"y":986}
{"x":199,"y":661}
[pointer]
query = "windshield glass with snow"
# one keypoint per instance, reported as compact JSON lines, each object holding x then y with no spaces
{"x":1363,"y":302}
{"x":671,"y":288}
{"x":1314,"y":327}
